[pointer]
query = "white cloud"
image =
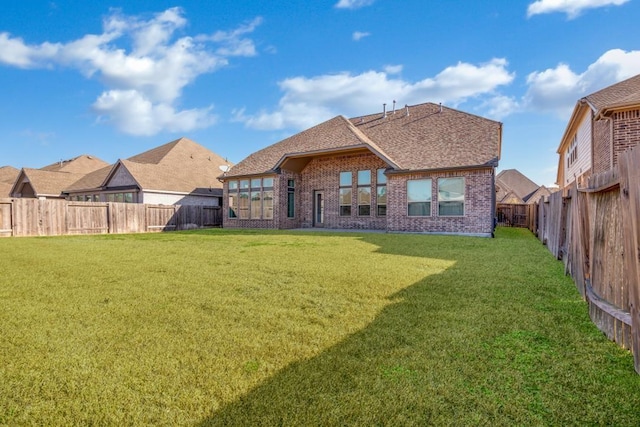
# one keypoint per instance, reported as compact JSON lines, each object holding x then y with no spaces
{"x":572,"y":8}
{"x":393,"y":69}
{"x":152,"y":74}
{"x":134,"y":114}
{"x":500,"y":106}
{"x":558,"y":89}
{"x":308,"y":101}
{"x":358,"y":35}
{"x":353,"y":4}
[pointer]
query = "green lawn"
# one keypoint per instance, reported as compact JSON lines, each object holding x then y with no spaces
{"x":223,"y":327}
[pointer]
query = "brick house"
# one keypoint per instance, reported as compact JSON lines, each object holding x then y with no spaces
{"x":423,"y":168}
{"x":602,"y":125}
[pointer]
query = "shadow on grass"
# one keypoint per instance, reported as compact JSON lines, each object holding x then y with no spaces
{"x":449,"y":350}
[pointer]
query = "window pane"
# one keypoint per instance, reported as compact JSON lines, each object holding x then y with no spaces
{"x":267,"y":205}
{"x":128,"y":197}
{"x":345,"y":202}
{"x":96,"y":198}
{"x":291,"y":183}
{"x":364,"y":177}
{"x":267,"y":182}
{"x":382,"y":210}
{"x":256,"y":206}
{"x":110,"y":197}
{"x":345,"y":179}
{"x":382,"y":195}
{"x":119,"y":197}
{"x":233,"y":205}
{"x":420,"y":209}
{"x":291,"y":204}
{"x":345,"y":196}
{"x":233,"y":185}
{"x":256,"y":183}
{"x":364,"y":201}
{"x":243,"y":205}
{"x":381,"y":177}
{"x":419,"y":190}
{"x":451,"y":196}
{"x":244,"y":183}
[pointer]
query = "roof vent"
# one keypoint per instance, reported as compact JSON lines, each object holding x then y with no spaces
{"x":394,"y":106}
{"x":406,"y":109}
{"x":441,"y":107}
{"x":384,"y":111}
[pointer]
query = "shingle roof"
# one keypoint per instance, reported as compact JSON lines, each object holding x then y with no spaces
{"x":81,"y":164}
{"x":8,"y":174}
{"x":626,"y":92}
{"x":427,"y":138}
{"x":49,"y":183}
{"x":181,"y":166}
{"x":512,"y":180}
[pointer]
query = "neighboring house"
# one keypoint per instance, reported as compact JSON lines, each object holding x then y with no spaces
{"x":8,"y":175}
{"x":49,"y":182}
{"x":512,"y":187}
{"x":424,"y":168}
{"x":179,"y":172}
{"x":602,"y":125}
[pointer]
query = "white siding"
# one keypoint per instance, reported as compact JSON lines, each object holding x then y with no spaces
{"x":583,"y":161}
{"x":178,"y":199}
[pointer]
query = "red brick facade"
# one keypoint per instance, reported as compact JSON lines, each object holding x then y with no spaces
{"x":601,"y":146}
{"x":626,"y":131}
{"x":321,"y":176}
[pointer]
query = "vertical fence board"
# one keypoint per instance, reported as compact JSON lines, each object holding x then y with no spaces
{"x":32,"y":217}
{"x":630,"y":206}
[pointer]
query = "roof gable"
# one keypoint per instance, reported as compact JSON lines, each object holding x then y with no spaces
{"x":44,"y":182}
{"x":512,"y":180}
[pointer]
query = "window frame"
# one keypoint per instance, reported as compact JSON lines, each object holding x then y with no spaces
{"x":345,"y":191}
{"x":381,"y":184}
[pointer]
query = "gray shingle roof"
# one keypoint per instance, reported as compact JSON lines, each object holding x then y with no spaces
{"x":512,"y":180}
{"x":427,"y":138}
{"x":49,"y":183}
{"x":626,"y":92}
{"x":81,"y":164}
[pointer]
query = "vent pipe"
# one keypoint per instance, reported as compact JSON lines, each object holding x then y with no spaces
{"x":441,"y":107}
{"x":384,"y":111}
{"x":406,"y":110}
{"x":394,"y":106}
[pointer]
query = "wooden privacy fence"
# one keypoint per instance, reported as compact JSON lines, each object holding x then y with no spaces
{"x":32,"y":217}
{"x":596,"y":232}
{"x":512,"y":215}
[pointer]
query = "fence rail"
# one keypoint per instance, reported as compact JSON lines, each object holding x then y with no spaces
{"x":596,"y":232}
{"x":32,"y":217}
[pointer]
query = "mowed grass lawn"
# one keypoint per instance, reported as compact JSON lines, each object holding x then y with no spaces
{"x":222,"y":327}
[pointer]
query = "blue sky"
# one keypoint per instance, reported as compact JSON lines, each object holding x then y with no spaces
{"x":113,"y":79}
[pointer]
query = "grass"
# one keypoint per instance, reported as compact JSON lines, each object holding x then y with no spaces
{"x":223,"y":327}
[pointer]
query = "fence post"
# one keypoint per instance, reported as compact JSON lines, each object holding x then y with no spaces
{"x":629,"y":164}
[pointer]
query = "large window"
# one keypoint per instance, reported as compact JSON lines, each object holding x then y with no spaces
{"x":364,"y":193}
{"x":291,"y":198}
{"x":381,"y":199}
{"x":346,"y":180}
{"x":451,"y":196}
{"x":419,"y":197}
{"x":251,"y":199}
{"x":120,"y":197}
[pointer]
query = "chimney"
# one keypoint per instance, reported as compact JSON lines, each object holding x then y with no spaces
{"x":384,"y":111}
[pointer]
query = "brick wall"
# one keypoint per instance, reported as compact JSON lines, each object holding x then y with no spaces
{"x":323,"y":174}
{"x":601,"y":146}
{"x":478,"y":209}
{"x":626,"y":131}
